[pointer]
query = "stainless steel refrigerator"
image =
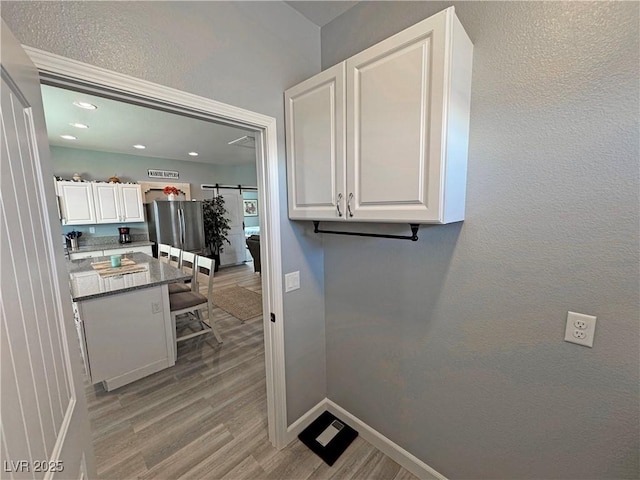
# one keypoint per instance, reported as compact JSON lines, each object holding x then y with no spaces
{"x":179,"y":224}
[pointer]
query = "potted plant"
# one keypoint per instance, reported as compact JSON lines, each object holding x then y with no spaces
{"x":216,"y":226}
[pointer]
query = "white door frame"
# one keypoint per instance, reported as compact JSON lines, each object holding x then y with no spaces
{"x":58,"y":70}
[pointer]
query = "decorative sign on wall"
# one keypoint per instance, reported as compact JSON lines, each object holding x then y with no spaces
{"x":163,"y":174}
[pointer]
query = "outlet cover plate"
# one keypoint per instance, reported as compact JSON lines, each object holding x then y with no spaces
{"x":292,"y":281}
{"x":580,"y":329}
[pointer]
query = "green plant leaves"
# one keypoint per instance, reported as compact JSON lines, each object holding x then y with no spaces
{"x":216,"y":225}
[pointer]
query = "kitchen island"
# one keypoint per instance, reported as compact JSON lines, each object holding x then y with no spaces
{"x":123,"y":319}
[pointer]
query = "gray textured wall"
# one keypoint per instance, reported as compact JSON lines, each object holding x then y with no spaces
{"x":241,"y":53}
{"x":453,"y":346}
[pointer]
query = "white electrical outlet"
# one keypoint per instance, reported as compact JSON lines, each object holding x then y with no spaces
{"x":92,"y":229}
{"x":580,"y":329}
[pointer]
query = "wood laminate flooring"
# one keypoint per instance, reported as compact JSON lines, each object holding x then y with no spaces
{"x":206,"y":417}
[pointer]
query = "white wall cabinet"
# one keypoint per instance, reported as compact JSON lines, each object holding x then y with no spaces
{"x":383,"y":136}
{"x":118,"y":203}
{"x":76,"y":203}
{"x":87,"y":203}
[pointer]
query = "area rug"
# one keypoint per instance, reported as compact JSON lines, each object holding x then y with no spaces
{"x":239,"y":302}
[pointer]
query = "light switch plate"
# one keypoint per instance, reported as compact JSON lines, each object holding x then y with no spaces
{"x":292,"y":281}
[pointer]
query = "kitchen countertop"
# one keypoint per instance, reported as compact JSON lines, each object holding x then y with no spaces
{"x":86,"y":283}
{"x":109,"y":246}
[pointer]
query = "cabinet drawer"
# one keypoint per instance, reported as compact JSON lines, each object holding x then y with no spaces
{"x":115,"y":251}
{"x":81,"y":255}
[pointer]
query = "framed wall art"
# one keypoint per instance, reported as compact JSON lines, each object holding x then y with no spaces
{"x":250,"y":208}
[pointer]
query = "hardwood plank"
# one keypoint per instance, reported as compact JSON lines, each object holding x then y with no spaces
{"x":128,"y":467}
{"x":404,"y":474}
{"x":297,"y":461}
{"x":248,"y":469}
{"x":183,"y":459}
{"x":347,"y":463}
{"x":231,"y":455}
{"x":378,"y":466}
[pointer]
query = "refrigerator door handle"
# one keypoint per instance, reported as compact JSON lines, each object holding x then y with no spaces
{"x":183,"y":228}
{"x":180,"y":236}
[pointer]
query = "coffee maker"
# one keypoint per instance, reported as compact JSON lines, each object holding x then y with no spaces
{"x":124,"y":235}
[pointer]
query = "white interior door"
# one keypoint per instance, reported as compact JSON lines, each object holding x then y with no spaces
{"x":44,"y":430}
{"x":234,"y":252}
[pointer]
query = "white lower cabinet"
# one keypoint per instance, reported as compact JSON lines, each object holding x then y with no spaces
{"x":81,"y":255}
{"x":124,"y":250}
{"x":127,"y":336}
{"x":111,"y":251}
{"x":382,"y":136}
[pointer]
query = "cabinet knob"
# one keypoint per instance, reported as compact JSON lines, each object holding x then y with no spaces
{"x":338,"y":204}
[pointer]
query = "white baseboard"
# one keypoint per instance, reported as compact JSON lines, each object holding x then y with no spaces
{"x":137,"y":374}
{"x":375,"y":438}
{"x":305,"y":420}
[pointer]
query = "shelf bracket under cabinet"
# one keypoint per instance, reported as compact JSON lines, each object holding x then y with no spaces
{"x":413,"y":237}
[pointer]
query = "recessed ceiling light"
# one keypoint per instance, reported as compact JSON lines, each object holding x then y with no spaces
{"x":85,"y":105}
{"x":139,"y":147}
{"x":79,"y":125}
{"x":68,"y":137}
{"x":193,"y":154}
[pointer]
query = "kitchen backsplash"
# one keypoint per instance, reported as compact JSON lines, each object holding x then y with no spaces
{"x":106,"y":234}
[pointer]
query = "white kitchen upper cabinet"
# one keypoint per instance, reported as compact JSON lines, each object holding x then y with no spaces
{"x":76,"y":203}
{"x":132,"y":205}
{"x":405,"y":134}
{"x":118,"y":203}
{"x":107,"y":203}
{"x":314,"y":114}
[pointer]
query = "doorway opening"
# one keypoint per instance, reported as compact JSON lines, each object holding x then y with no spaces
{"x":64,"y":73}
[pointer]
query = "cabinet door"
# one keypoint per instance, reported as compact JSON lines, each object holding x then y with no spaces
{"x":132,"y":209}
{"x":394,"y":126}
{"x":76,"y":199}
{"x":314,"y":112}
{"x":107,"y":203}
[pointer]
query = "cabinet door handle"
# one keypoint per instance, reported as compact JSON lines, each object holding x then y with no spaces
{"x":338,"y":204}
{"x":349,"y":204}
